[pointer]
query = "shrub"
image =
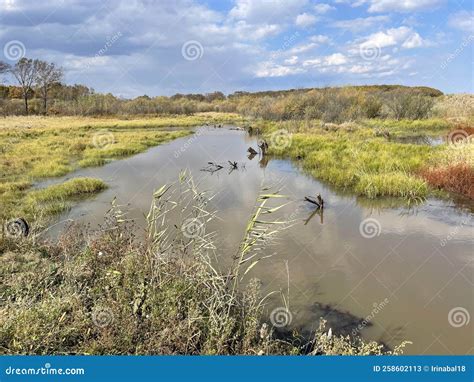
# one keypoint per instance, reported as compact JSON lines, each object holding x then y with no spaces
{"x":405,"y":105}
{"x":457,"y":177}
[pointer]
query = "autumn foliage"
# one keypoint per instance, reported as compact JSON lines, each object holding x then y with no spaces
{"x":458,"y":178}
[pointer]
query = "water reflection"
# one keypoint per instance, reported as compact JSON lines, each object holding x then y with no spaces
{"x":421,"y":260}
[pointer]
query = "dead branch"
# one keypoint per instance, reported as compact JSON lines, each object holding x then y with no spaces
{"x":318,"y":200}
{"x":252,"y":151}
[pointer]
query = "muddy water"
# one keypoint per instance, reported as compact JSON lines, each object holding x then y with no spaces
{"x":404,"y":281}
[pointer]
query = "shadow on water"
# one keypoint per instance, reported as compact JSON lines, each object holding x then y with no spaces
{"x":341,"y":323}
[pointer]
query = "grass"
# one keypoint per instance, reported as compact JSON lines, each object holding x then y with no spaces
{"x":457,"y":178}
{"x":409,"y":128}
{"x":363,"y":157}
{"x":35,"y":148}
{"x":108,"y":292}
{"x":38,"y":205}
{"x":453,"y":170}
{"x":71,"y":188}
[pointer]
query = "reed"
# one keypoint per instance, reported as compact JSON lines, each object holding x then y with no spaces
{"x":110,"y":292}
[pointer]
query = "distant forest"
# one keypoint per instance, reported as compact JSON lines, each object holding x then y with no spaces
{"x":37,"y":89}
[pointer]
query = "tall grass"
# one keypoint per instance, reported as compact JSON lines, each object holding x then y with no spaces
{"x":109,"y":292}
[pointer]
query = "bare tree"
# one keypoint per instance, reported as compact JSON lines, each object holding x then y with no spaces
{"x":25,"y":72}
{"x":4,"y":67}
{"x":47,"y":75}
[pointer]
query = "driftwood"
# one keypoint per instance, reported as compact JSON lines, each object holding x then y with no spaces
{"x":212,"y":167}
{"x":318,"y":200}
{"x":251,"y":156}
{"x":263,"y":146}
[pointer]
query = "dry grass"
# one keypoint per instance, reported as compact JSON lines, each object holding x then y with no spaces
{"x":457,"y":178}
{"x":455,"y":107}
{"x":108,"y":292}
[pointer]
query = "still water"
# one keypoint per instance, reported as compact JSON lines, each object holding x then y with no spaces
{"x":412,"y":280}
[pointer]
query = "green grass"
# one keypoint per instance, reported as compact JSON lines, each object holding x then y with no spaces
{"x":353,"y":157}
{"x":35,"y":148}
{"x":410,"y":128}
{"x":71,"y":188}
{"x":42,"y":203}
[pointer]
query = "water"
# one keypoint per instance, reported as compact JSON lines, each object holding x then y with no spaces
{"x":406,"y":280}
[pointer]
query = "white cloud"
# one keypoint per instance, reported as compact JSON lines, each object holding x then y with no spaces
{"x":320,"y":39}
{"x":405,"y":36}
{"x":303,"y":48}
{"x":394,"y":5}
{"x":245,"y":31}
{"x":257,"y":11}
{"x":362,"y":23}
{"x":147,"y":58}
{"x":292,"y":60}
{"x":335,"y":59}
{"x":402,"y":5}
{"x":270,"y":69}
{"x":323,"y":8}
{"x":331,"y":60}
{"x":352,"y":3}
{"x":462,"y":20}
{"x":305,"y":20}
{"x":414,"y":41}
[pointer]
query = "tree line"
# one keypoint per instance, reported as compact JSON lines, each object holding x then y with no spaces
{"x":40,"y":84}
{"x":33,"y":74}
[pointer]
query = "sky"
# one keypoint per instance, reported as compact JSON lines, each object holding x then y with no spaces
{"x":136,"y":47}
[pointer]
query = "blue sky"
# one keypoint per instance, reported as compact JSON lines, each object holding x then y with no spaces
{"x":135,"y":47}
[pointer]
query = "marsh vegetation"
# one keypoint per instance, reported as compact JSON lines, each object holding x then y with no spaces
{"x":114,"y":291}
{"x":108,"y":292}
